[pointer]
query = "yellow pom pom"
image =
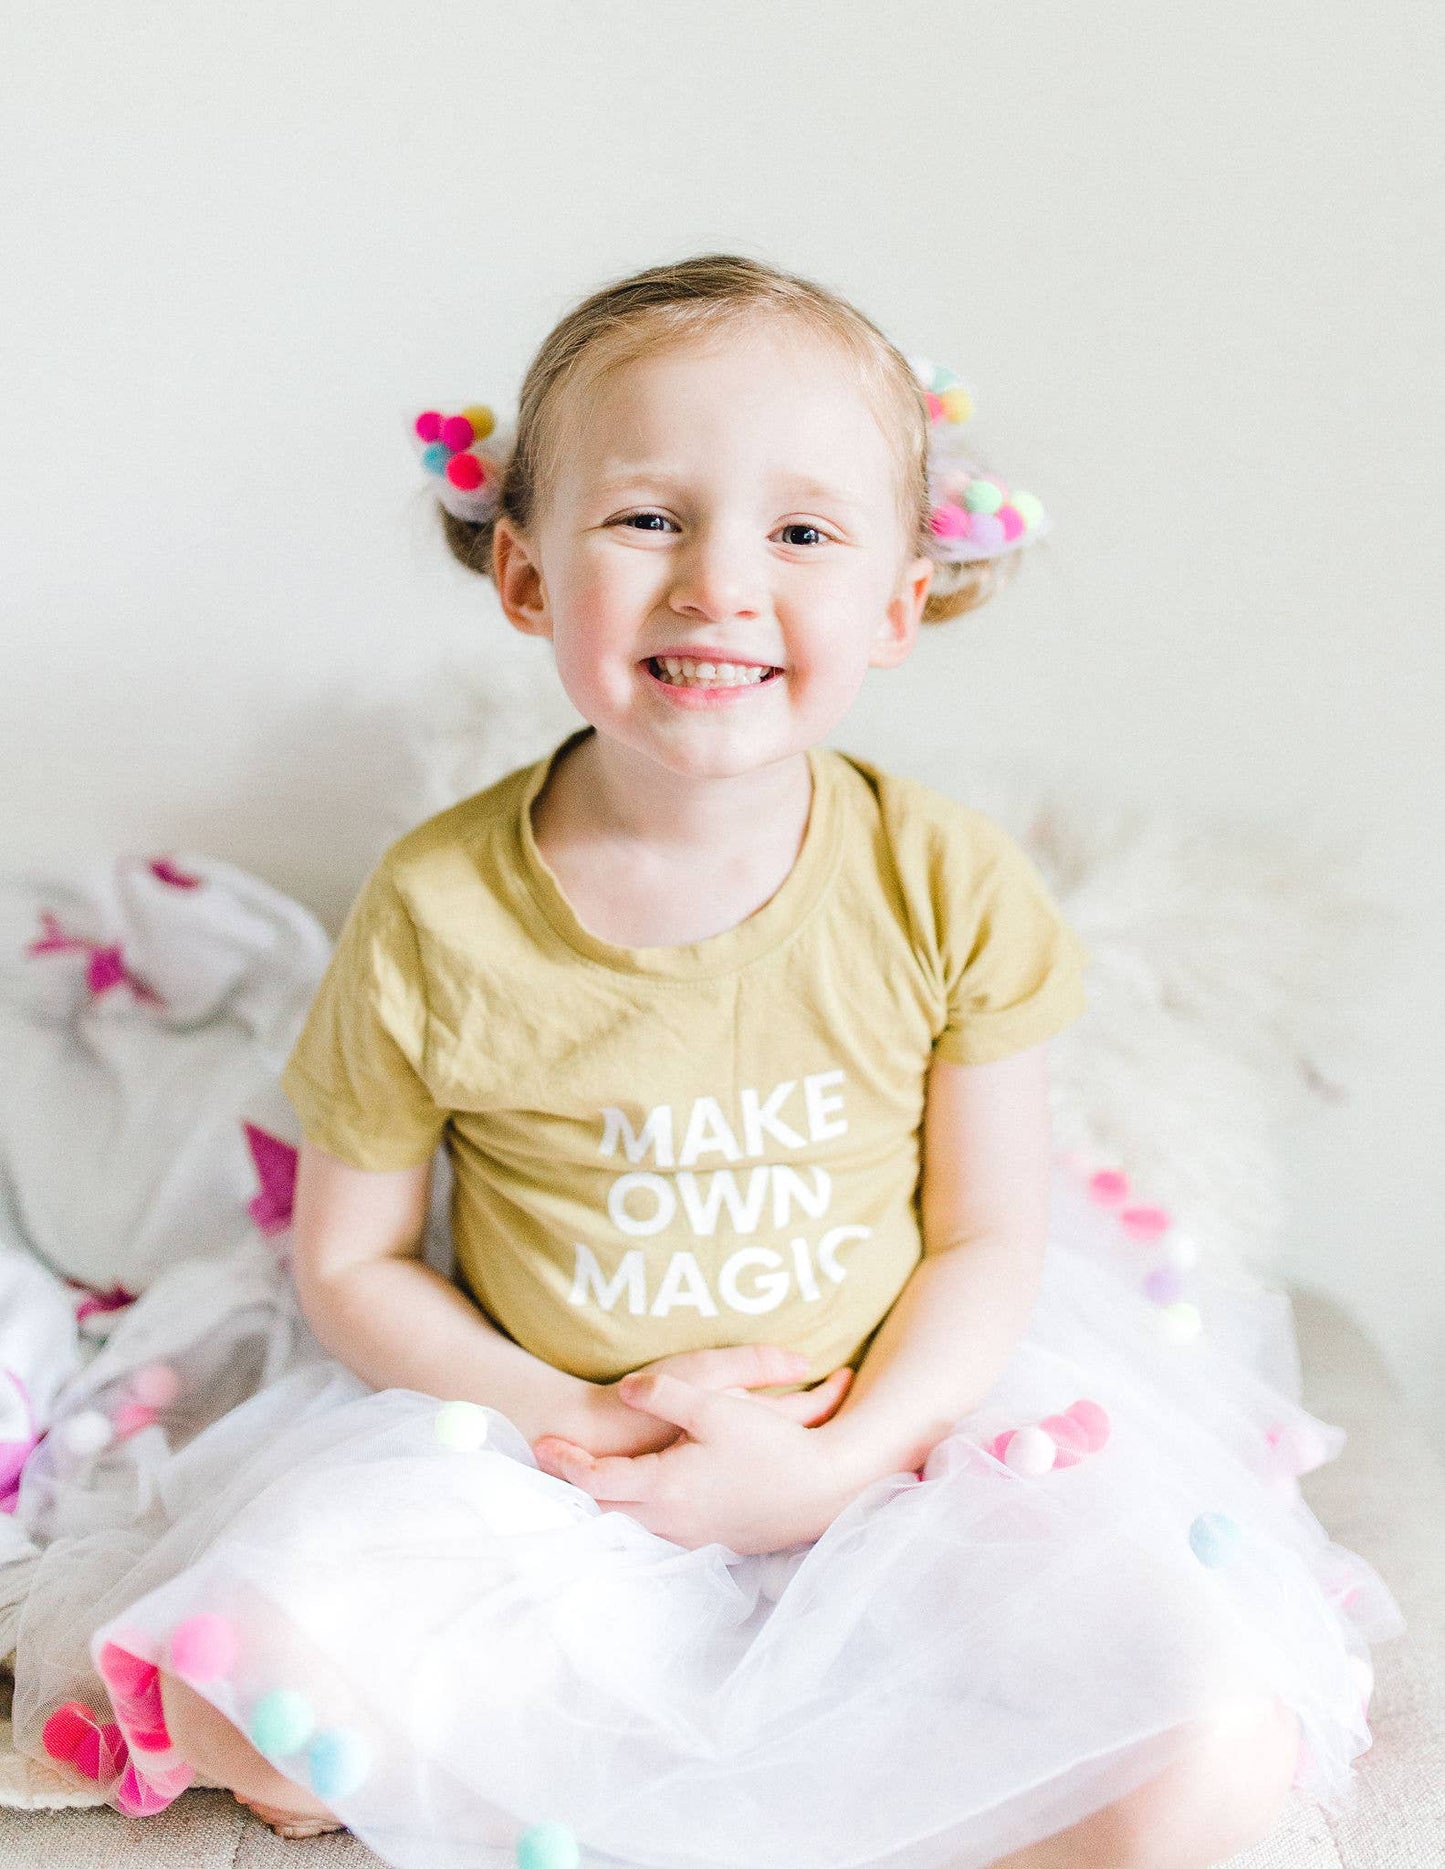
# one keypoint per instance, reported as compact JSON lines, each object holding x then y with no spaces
{"x":957,"y":404}
{"x":481,"y":419}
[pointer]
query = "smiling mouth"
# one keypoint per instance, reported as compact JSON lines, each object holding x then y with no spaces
{"x":679,"y":672}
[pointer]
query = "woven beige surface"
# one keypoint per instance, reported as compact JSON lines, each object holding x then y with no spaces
{"x":1384,"y":1497}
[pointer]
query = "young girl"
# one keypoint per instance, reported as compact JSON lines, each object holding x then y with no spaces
{"x":796,"y":1471}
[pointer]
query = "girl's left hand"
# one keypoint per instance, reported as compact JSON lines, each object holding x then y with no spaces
{"x":741,"y":1475}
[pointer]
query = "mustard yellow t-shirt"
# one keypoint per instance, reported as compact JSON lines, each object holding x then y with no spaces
{"x":667,"y":1148}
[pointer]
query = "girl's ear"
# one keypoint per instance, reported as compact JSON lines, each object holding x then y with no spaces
{"x":898,"y":632}
{"x":518,"y":579}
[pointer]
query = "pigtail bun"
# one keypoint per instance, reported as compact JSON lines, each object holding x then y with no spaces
{"x":469,"y":541}
{"x":957,"y":588}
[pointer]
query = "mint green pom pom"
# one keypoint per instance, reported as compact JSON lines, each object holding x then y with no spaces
{"x":281,"y":1722}
{"x":462,"y":1426}
{"x":982,"y":496}
{"x":434,"y":459}
{"x":547,"y":1846}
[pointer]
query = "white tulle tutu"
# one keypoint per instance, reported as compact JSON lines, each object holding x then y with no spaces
{"x":450,"y":1645}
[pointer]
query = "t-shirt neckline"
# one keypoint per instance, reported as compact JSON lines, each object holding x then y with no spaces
{"x":718,"y":954}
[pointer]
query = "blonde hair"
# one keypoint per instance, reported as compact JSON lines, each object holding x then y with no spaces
{"x":672,"y":304}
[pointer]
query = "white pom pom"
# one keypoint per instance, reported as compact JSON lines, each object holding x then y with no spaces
{"x":1030,"y":1452}
{"x":1180,"y":1250}
{"x":85,"y":1433}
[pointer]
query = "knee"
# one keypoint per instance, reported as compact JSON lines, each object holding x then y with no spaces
{"x":1224,"y":1791}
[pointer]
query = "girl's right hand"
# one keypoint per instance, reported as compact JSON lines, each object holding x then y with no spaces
{"x":611,"y":1427}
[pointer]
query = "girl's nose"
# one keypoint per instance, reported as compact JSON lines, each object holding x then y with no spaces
{"x":717,"y":576}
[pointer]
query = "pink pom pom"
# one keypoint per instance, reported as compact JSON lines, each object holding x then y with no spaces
{"x":429,"y":425}
{"x":1092,"y":1421}
{"x":456,"y":433}
{"x":1108,"y":1187}
{"x":130,"y":1418}
{"x":155,"y":1386}
{"x":1146,"y":1223}
{"x":1068,"y":1437}
{"x":998,"y":1446}
{"x":936,"y":409}
{"x":951,"y":522}
{"x":1164,"y":1285}
{"x":465,"y":471}
{"x":987,"y":531}
{"x":203,"y":1648}
{"x":102,"y":1752}
{"x":64,"y":1731}
{"x":1012,"y":522}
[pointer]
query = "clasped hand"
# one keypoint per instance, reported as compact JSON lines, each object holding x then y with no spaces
{"x":745,"y":1471}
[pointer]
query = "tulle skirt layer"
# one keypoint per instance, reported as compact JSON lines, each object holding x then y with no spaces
{"x":448,"y":1645}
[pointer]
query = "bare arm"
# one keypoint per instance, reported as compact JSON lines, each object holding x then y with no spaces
{"x":375,"y":1304}
{"x":985,"y":1211}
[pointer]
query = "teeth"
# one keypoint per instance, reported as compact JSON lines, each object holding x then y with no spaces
{"x":683,"y":671}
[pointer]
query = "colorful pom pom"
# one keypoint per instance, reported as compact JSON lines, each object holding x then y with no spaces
{"x":203,"y":1648}
{"x":1029,"y":508}
{"x":1070,"y":1442}
{"x":456,"y":433}
{"x":281,"y":1722}
{"x":1215,"y":1538}
{"x":1108,"y":1187}
{"x":481,"y":419}
{"x":935,"y":407}
{"x":1145,"y":1223}
{"x":1012,"y":524}
{"x":63,"y":1732}
{"x":130,"y":1418}
{"x":86,"y":1433}
{"x":548,"y":1846}
{"x":950,"y":521}
{"x":1180,"y":1322}
{"x":982,"y":496}
{"x":434,"y":459}
{"x":102,"y":1752}
{"x":465,"y":471}
{"x":337,"y":1763}
{"x":1092,"y":1421}
{"x":1181,"y":1250}
{"x":462,"y":1426}
{"x":1030,"y":1452}
{"x":155,"y":1386}
{"x":988,"y":532}
{"x":1164,"y":1285}
{"x":429,"y":425}
{"x":957,"y":403}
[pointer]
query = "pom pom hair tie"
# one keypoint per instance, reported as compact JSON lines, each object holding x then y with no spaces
{"x":975,"y":514}
{"x":466,"y":454}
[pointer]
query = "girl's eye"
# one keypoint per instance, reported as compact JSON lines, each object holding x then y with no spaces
{"x":817,"y":536}
{"x":646,"y":522}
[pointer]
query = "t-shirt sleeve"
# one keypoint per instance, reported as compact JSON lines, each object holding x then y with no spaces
{"x":355,"y":1076}
{"x":1013,"y":968}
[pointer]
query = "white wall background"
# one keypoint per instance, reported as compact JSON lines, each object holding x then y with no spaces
{"x":1190,"y":255}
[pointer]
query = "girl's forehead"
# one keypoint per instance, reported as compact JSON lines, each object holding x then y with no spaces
{"x":761,"y":388}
